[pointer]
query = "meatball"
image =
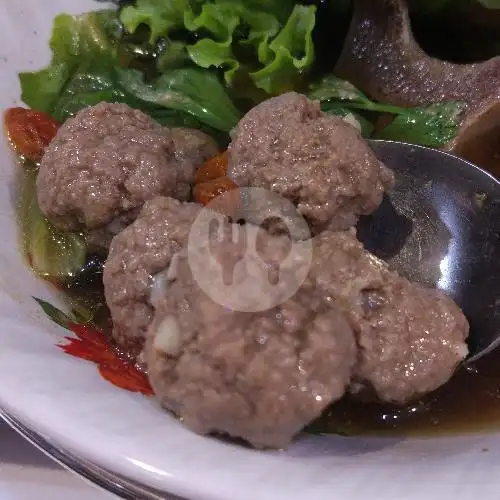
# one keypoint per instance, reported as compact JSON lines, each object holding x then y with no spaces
{"x":106,"y":160}
{"x":136,"y":257}
{"x":192,"y":149}
{"x":410,"y":338}
{"x":288,"y":145}
{"x":99,"y":239}
{"x":257,"y":376}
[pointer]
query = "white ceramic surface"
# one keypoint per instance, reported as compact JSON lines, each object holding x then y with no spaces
{"x":65,"y":400}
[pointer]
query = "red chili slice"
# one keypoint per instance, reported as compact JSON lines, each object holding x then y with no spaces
{"x":212,"y":169}
{"x":30,"y":131}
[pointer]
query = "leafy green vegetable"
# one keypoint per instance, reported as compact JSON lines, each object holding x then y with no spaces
{"x":51,"y":253}
{"x":81,"y":70}
{"x":269,"y":43}
{"x":334,"y":88}
{"x":281,"y":9}
{"x":91,"y":85}
{"x":84,"y":71}
{"x":164,"y":16}
{"x":220,"y":20}
{"x":332,"y":91}
{"x":159,"y":15}
{"x":173,"y":56}
{"x":74,"y":40}
{"x":81,"y":314}
{"x":290,"y":54}
{"x":88,"y":86}
{"x":54,"y":253}
{"x":189,"y":90}
{"x":431,"y":126}
{"x":360,"y":122}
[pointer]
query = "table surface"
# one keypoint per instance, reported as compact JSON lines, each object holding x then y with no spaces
{"x":27,"y":474}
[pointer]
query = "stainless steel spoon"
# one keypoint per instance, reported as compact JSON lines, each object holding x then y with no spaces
{"x":440,"y":226}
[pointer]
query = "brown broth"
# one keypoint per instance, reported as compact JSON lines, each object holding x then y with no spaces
{"x":470,"y":402}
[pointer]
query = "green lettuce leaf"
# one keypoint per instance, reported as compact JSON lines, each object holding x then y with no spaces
{"x":191,"y":90}
{"x":281,"y":9}
{"x":85,"y":71}
{"x":51,"y":253}
{"x":220,"y":21}
{"x":432,"y":126}
{"x":226,"y":22}
{"x":159,"y":15}
{"x":267,"y":43}
{"x":74,"y":39}
{"x":291,"y":53}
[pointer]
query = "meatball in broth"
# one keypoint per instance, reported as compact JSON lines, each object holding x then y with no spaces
{"x":136,"y":258}
{"x":258,"y":376}
{"x":410,"y":338}
{"x":106,"y":160}
{"x":289,"y":146}
{"x":109,"y":159}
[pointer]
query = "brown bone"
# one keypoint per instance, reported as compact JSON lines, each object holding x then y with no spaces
{"x":382,"y":58}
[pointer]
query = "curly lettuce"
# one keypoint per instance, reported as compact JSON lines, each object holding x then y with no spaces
{"x":161,"y":16}
{"x":269,"y":44}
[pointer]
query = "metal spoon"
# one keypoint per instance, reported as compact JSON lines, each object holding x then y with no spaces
{"x":440,"y":226}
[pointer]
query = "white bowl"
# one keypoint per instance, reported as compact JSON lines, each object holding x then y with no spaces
{"x":66,"y":402}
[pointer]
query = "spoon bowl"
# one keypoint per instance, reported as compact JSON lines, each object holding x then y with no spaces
{"x":440,"y":226}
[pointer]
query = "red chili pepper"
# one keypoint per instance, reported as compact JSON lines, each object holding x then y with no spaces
{"x":210,"y":192}
{"x":213,"y":168}
{"x":30,"y":131}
